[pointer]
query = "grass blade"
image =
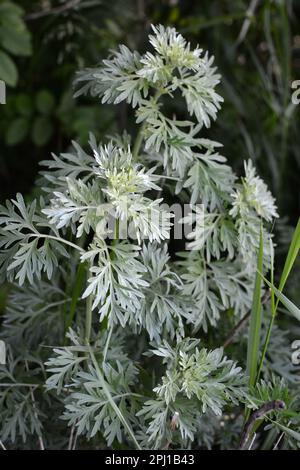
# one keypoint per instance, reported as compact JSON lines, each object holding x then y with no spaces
{"x":255,"y":320}
{"x":289,"y":305}
{"x":291,"y":256}
{"x":289,"y":262}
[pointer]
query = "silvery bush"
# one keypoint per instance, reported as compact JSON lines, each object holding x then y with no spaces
{"x":115,"y":341}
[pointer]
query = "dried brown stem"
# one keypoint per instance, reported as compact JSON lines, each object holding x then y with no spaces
{"x":53,"y":11}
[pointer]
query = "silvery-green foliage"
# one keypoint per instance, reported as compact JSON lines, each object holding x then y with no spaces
{"x":97,"y":281}
{"x":20,"y":417}
{"x":196,"y":380}
{"x":89,"y":409}
{"x":116,"y":80}
{"x":116,"y":280}
{"x":268,"y":390}
{"x":86,"y":404}
{"x":212,"y":232}
{"x":252,"y":202}
{"x":115,"y":191}
{"x":65,"y":363}
{"x":276,"y":388}
{"x":253,"y":194}
{"x":215,"y":287}
{"x":278,"y":357}
{"x":210,"y":180}
{"x":34,"y":311}
{"x":72,"y":165}
{"x":232,"y":211}
{"x":208,"y":427}
{"x":69,"y":359}
{"x":26,"y":251}
{"x":163,"y":306}
{"x":76,"y":208}
{"x":206,"y":375}
{"x":129,"y":76}
{"x":173,"y":66}
{"x":157,"y":432}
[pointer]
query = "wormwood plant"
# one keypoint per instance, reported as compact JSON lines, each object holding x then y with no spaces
{"x":115,"y":340}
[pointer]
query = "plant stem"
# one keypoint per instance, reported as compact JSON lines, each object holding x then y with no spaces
{"x":61,"y":240}
{"x":71,"y":438}
{"x":117,"y":233}
{"x":273,"y":311}
{"x":140,"y":135}
{"x":88,"y":319}
{"x":257,"y":415}
{"x":2,"y":445}
{"x":265,"y":348}
{"x":112,"y":256}
{"x":255,"y":320}
{"x":110,"y":399}
{"x":280,"y":438}
{"x":77,"y":289}
{"x":138,"y":142}
{"x":53,"y":11}
{"x":40,"y":437}
{"x":289,"y":262}
{"x":107,"y":343}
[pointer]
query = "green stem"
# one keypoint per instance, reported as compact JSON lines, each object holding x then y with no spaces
{"x":117,"y":233}
{"x":265,"y":348}
{"x":140,"y":135}
{"x":138,"y":142}
{"x":88,"y":319}
{"x":107,"y":343}
{"x":266,"y":342}
{"x":112,"y":256}
{"x":61,"y":240}
{"x":77,"y":289}
{"x":269,"y":331}
{"x":40,"y":437}
{"x":111,"y":400}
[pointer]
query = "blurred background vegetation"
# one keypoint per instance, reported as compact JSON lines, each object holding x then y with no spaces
{"x":256,"y":44}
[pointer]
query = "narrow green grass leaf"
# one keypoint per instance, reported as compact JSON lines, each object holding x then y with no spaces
{"x":290,"y":306}
{"x":291,"y":256}
{"x":255,"y":320}
{"x":289,"y":262}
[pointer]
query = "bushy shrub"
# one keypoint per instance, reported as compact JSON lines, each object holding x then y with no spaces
{"x":109,"y":327}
